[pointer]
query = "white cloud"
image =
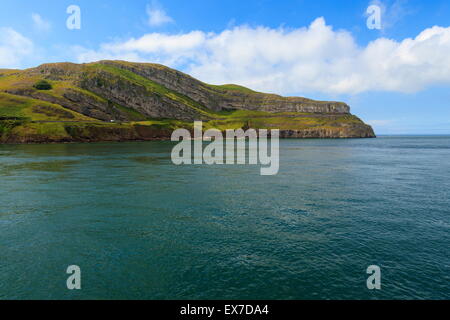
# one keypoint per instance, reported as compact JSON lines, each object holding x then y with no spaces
{"x":157,"y":16}
{"x":39,"y":23}
{"x":14,"y":48}
{"x":311,"y":59}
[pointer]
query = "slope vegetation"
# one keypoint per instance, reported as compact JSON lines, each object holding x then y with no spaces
{"x":118,"y":100}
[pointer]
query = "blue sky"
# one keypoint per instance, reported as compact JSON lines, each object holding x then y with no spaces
{"x":396,"y":78}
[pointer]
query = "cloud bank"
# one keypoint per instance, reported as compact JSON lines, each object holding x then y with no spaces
{"x":316,"y":58}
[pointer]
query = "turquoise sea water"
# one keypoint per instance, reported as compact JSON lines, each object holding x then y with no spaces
{"x":140,"y":227}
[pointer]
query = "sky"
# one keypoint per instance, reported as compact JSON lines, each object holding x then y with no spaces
{"x":391,"y":65}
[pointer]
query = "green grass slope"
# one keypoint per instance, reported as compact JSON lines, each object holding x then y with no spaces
{"x":56,"y":115}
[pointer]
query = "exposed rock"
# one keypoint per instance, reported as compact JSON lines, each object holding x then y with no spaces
{"x":119,"y":91}
{"x":136,"y":96}
{"x":217,"y":99}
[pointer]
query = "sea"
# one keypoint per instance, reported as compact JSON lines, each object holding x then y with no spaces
{"x":139,"y":227}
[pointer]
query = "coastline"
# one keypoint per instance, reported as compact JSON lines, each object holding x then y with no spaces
{"x":126,"y":101}
{"x":104,"y":132}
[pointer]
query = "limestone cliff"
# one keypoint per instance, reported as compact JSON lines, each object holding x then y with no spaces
{"x":138,"y":95}
{"x":229,"y":96}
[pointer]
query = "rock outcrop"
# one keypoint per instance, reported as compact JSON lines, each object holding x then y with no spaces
{"x":227,"y":97}
{"x":126,"y":92}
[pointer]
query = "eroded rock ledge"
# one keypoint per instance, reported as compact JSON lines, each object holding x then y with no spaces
{"x":125,"y":101}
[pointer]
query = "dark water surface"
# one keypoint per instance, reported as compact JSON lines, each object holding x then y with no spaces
{"x":140,"y":227}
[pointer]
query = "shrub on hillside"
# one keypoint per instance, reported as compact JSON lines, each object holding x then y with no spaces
{"x":43,"y":85}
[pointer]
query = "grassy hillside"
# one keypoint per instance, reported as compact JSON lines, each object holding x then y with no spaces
{"x":13,"y":106}
{"x":115,"y":101}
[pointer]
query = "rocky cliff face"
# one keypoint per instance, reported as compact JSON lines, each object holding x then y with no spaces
{"x":123,"y":91}
{"x":129,"y":92}
{"x":227,"y":97}
{"x":136,"y":96}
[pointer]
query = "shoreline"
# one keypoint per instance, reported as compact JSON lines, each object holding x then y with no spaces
{"x":161,"y":139}
{"x":18,"y":132}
